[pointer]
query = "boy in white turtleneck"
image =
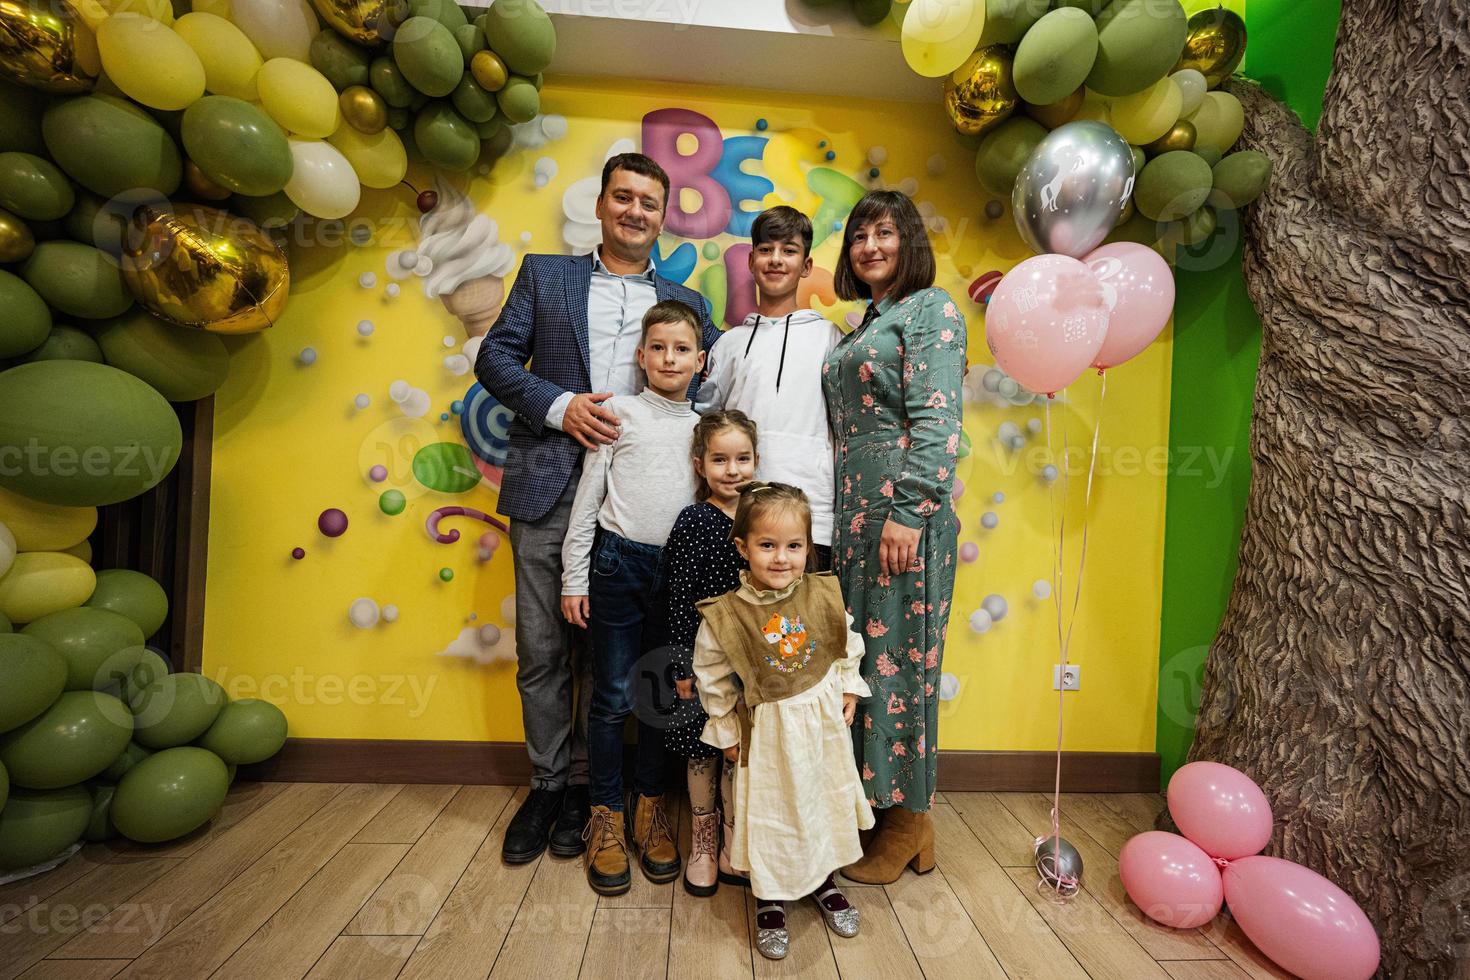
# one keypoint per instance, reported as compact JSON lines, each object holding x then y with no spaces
{"x":770,"y":368}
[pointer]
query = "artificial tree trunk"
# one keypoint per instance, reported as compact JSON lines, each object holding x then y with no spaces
{"x":1340,"y":678}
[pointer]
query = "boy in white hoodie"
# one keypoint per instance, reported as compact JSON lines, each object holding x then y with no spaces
{"x":770,"y":368}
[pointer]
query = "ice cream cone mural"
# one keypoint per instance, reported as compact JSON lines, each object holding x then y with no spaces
{"x":468,"y":262}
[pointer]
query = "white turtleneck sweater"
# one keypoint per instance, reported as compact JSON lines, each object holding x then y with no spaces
{"x":635,"y":487}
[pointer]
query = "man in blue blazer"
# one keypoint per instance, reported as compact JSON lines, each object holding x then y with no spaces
{"x":563,"y":345}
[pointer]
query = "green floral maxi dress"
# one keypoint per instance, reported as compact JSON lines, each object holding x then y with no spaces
{"x":893,"y":397}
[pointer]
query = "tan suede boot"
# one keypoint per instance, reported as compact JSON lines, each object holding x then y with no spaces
{"x":606,"y":857}
{"x":653,"y":840}
{"x":906,"y":838}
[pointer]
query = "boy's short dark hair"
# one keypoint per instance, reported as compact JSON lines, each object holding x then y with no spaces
{"x":635,"y":163}
{"x":782,"y":223}
{"x":915,"y":255}
{"x":672,"y":311}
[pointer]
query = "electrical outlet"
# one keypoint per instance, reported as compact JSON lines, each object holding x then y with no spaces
{"x":1070,"y":681}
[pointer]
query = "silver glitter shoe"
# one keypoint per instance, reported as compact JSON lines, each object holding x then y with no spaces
{"x":773,"y":943}
{"x":844,"y":922}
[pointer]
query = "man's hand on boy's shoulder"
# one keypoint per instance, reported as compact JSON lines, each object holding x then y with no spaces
{"x":589,"y":422}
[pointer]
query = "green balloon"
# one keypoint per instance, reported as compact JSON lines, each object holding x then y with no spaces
{"x":1172,"y":185}
{"x":181,"y":364}
{"x":342,"y":62}
{"x":77,"y":279}
{"x":5,"y":625}
{"x":522,"y":34}
{"x":79,"y":736}
{"x":1004,"y":151}
{"x":99,"y":825}
{"x":871,"y":12}
{"x":4,"y":786}
{"x":111,"y":146}
{"x":65,"y":344}
{"x":451,"y":16}
{"x":36,"y":826}
{"x":169,"y":794}
{"x":446,"y":138}
{"x":471,"y":41}
{"x":176,"y":709}
{"x":388,"y":81}
{"x":428,"y":56}
{"x":518,"y":100}
{"x":398,"y":118}
{"x":246,"y":731}
{"x":272,"y":211}
{"x":26,"y":321}
{"x":473,"y":102}
{"x":1007,"y":20}
{"x":151,"y":666}
{"x":1240,"y":178}
{"x":130,"y":757}
{"x":35,"y":676}
{"x":20,"y":119}
{"x":1092,"y":7}
{"x":92,"y":221}
{"x":231,"y":771}
{"x":1138,"y":43}
{"x":1138,"y":228}
{"x":1055,"y":56}
{"x":1139,"y":158}
{"x":33,"y":187}
{"x":1194,"y":228}
{"x":106,"y":435}
{"x":131,"y":594}
{"x":100,"y":647}
{"x":489,"y":131}
{"x":237,"y":145}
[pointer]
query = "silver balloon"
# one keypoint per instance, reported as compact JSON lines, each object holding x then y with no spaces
{"x":1056,"y":860}
{"x":1072,"y":189}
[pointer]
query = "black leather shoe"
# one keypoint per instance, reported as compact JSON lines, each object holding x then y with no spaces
{"x":529,"y":829}
{"x":566,"y":833}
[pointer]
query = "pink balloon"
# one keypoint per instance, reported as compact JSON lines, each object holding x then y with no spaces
{"x":1221,"y":809}
{"x":1138,"y":287}
{"x":1172,"y":881}
{"x":1301,"y":920}
{"x":1046,"y":322}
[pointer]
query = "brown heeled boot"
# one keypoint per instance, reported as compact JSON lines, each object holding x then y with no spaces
{"x":906,"y":838}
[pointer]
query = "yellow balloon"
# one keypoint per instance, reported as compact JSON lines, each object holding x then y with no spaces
{"x":219,"y":8}
{"x":47,"y":45}
{"x":43,"y":582}
{"x":39,"y":526}
{"x":1218,"y":121}
{"x":94,"y":12}
{"x":981,"y":93}
{"x":379,"y":159}
{"x":1145,"y":116}
{"x":1098,"y":108}
{"x":230,"y":60}
{"x":939,"y":35}
{"x":149,"y":62}
{"x":201,"y":267}
{"x":298,"y":97}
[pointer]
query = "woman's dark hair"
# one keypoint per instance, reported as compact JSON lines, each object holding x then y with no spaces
{"x":915,"y":256}
{"x":758,"y":499}
{"x":782,"y":223}
{"x":635,"y":163}
{"x":710,"y":425}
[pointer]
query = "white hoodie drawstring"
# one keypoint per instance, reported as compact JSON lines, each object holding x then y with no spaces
{"x":785,"y":336}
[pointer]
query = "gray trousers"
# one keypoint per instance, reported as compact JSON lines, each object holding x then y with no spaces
{"x":553,"y":671}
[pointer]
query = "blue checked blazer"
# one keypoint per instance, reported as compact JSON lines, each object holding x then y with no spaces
{"x":536,"y":351}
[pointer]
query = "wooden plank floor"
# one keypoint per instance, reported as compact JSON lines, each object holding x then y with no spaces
{"x":361,"y":882}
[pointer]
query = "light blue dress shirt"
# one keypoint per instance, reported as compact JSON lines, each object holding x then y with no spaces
{"x":615,"y":308}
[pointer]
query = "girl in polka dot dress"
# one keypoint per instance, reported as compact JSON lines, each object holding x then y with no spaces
{"x":702,"y":562}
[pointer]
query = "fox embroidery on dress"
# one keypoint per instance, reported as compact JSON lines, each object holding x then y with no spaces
{"x":790,"y":639}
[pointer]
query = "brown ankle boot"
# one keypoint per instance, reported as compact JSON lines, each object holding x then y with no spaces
{"x":606,"y":857}
{"x":653,"y":839}
{"x":906,"y":838}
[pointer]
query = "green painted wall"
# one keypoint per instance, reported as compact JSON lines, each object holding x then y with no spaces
{"x":1217,"y":346}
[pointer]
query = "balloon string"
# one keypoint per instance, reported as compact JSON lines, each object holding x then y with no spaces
{"x":452,"y":535}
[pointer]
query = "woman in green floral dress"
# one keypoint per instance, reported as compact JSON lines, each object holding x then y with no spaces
{"x":893,"y":397}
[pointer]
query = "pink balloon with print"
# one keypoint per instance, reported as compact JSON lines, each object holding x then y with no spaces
{"x":1046,"y":322}
{"x":1301,"y":920}
{"x":1138,"y":287}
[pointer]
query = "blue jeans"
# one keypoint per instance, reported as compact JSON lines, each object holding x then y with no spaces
{"x":624,"y":583}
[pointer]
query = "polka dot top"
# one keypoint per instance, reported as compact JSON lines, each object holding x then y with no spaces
{"x":702,"y":562}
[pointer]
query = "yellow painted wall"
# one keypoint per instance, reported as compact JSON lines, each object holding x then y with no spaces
{"x":289,"y":443}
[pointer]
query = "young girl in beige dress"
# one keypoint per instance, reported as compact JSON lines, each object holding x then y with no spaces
{"x":777,"y":666}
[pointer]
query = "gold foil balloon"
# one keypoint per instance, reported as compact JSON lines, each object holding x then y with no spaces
{"x":364,"y":109}
{"x":202,"y":267}
{"x":980,"y":93}
{"x":1214,"y":45}
{"x":16,"y":241}
{"x":1179,"y":137}
{"x":46,"y":45}
{"x":200,"y":185}
{"x":1055,"y":114}
{"x":368,"y":22}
